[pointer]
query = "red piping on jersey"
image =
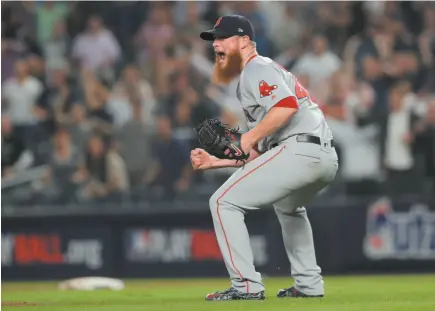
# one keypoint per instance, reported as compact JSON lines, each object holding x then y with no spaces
{"x":220,"y":219}
{"x":250,"y":58}
{"x":288,"y":102}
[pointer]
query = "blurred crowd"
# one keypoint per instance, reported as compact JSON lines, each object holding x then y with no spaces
{"x":99,"y":98}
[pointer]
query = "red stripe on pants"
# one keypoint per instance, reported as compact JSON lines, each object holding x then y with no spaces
{"x":220,"y":219}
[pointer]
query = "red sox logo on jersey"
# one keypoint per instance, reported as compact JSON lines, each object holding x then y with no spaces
{"x":266,"y":89}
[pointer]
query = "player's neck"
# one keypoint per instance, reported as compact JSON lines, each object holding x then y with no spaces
{"x":248,"y":55}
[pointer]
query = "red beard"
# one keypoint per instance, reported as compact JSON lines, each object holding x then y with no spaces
{"x":225,"y":73}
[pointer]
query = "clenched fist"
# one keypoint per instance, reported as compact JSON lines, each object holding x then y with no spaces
{"x":201,"y":159}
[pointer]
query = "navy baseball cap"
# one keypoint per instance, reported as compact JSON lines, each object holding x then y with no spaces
{"x":228,"y":26}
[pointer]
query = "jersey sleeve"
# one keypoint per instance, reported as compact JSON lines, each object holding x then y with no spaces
{"x":267,"y":86}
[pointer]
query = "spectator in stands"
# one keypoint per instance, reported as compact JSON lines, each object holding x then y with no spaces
{"x":19,"y":17}
{"x":171,"y":169}
{"x":125,"y":18}
{"x":62,"y":166}
{"x":47,"y":15}
{"x":119,"y":107}
{"x":427,"y":37}
{"x":213,"y":11}
{"x":382,"y":59}
{"x":44,"y":130}
{"x":15,"y":156}
{"x":352,"y":98}
{"x":333,"y":19}
{"x":426,"y":42}
{"x":391,"y":42}
{"x":398,"y":140}
{"x":18,"y":26}
{"x":378,"y":41}
{"x":60,"y":95}
{"x":250,"y":10}
{"x":373,"y":74}
{"x":96,"y":48}
{"x":406,"y":56}
{"x":154,"y":35}
{"x":37,"y":68}
{"x":134,"y":142}
{"x":178,"y":83}
{"x":57,"y":47}
{"x":289,"y":30}
{"x":96,"y":96}
{"x":11,"y":52}
{"x":359,"y":146}
{"x":79,"y":127}
{"x":182,"y":124}
{"x":318,"y":64}
{"x":132,"y":88}
{"x":172,"y":61}
{"x":425,"y":143}
{"x":192,"y":26}
{"x":195,"y":107}
{"x":102,"y":172}
{"x":20,"y":96}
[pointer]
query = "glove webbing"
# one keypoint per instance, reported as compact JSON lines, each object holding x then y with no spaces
{"x":207,"y":134}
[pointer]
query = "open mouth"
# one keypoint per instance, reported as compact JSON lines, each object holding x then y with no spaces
{"x":220,"y":56}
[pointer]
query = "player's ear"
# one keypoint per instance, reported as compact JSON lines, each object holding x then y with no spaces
{"x":245,"y":41}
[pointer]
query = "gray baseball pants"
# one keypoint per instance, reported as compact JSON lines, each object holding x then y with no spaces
{"x":288,"y":176}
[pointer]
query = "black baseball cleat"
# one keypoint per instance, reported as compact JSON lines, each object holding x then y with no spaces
{"x":294,"y":293}
{"x":234,"y":294}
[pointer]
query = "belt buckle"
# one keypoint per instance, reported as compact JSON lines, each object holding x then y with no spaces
{"x":300,"y":138}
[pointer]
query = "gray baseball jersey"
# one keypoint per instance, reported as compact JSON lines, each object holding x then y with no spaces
{"x":287,"y":175}
{"x":264,"y":84}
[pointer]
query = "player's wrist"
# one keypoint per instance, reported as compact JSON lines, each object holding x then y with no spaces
{"x":222,"y":163}
{"x":249,"y":139}
{"x":215,"y":162}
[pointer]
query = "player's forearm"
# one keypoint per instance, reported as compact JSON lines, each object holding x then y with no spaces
{"x":275,"y":119}
{"x":221,"y":163}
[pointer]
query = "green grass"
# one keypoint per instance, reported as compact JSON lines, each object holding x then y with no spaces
{"x":353,"y":293}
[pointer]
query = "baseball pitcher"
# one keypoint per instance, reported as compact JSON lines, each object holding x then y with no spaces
{"x":285,"y":159}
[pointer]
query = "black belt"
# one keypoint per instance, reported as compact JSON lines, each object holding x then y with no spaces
{"x":305,"y":138}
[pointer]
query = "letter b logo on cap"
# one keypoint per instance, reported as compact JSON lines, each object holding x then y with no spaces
{"x":218,"y":21}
